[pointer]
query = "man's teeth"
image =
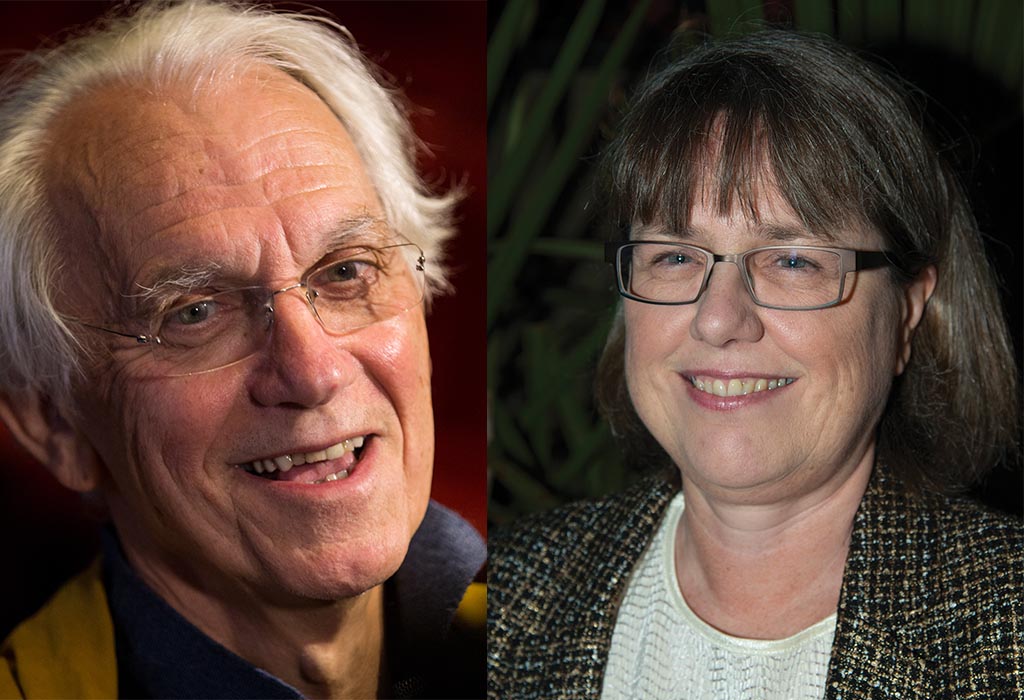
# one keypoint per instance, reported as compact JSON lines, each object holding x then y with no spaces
{"x":286,"y":462}
{"x":738,"y":387}
{"x":343,"y":474}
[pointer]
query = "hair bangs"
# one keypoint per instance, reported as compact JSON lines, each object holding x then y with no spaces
{"x":722,"y":135}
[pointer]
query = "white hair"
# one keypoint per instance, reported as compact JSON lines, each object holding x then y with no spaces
{"x":164,"y":44}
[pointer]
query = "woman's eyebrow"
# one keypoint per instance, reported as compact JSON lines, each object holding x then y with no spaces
{"x":785,"y":233}
{"x":645,"y":230}
{"x":780,"y":233}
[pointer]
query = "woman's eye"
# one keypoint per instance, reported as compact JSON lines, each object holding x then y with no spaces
{"x":675,"y":258}
{"x":796,"y":262}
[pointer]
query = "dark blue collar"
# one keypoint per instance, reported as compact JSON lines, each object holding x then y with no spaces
{"x":162,"y":655}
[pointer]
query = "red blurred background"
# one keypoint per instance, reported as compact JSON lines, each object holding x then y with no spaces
{"x":435,"y":52}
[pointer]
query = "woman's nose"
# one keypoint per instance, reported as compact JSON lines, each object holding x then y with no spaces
{"x":302,"y":364}
{"x":726,"y":312}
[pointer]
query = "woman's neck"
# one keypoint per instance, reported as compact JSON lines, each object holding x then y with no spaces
{"x":767,"y":569}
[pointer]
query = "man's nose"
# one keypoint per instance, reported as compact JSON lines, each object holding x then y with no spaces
{"x":302,"y":364}
{"x":726,"y":312}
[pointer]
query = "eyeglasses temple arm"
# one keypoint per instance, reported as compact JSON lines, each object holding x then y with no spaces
{"x":141,"y":339}
{"x":871,"y":259}
{"x":611,"y":250}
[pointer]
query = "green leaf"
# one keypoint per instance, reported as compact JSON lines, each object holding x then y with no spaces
{"x":515,"y":24}
{"x":544,"y":191}
{"x":507,"y":436}
{"x":507,"y":180}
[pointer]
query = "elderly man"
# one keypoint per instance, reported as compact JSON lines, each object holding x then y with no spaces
{"x":215,"y":255}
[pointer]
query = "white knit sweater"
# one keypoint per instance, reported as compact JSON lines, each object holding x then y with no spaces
{"x":661,"y":649}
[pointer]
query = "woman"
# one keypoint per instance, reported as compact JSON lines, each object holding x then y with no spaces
{"x":811,"y":343}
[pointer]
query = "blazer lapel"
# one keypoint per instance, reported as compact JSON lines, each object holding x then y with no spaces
{"x":882,"y":591}
{"x":869,"y":662}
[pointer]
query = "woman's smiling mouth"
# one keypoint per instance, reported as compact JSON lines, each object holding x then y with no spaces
{"x":738,"y":386}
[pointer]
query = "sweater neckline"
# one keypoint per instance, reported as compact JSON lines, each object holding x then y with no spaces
{"x":665,"y":539}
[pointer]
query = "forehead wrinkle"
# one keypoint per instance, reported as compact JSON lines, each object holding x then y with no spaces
{"x":341,"y":233}
{"x":199,"y":245}
{"x":169,"y":181}
{"x":295,"y":168}
{"x":207,"y":199}
{"x":167,"y":164}
{"x":91,"y":262}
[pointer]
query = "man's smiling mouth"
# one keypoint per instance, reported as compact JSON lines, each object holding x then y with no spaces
{"x":738,"y":386}
{"x":330,"y":464}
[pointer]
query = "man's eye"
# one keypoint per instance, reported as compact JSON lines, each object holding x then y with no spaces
{"x":346,"y":271}
{"x":347,"y":275}
{"x":194,"y":313}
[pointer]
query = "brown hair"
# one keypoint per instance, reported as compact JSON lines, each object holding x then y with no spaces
{"x":844,"y":143}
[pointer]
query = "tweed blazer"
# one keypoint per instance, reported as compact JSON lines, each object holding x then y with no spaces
{"x":931,"y":602}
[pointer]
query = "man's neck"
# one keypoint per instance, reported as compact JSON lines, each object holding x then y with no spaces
{"x":349,"y":665}
{"x":334,"y":649}
{"x":767,"y":571}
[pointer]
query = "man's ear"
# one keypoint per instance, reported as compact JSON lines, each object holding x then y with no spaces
{"x":915,"y":299}
{"x":43,"y":428}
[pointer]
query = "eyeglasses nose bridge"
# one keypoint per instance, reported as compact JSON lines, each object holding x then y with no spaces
{"x":309,"y":295}
{"x":736,"y":259}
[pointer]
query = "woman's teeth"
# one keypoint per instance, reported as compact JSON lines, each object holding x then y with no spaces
{"x":738,"y":387}
{"x":285,"y":462}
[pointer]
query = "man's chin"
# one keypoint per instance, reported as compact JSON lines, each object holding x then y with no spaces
{"x":332,"y":576}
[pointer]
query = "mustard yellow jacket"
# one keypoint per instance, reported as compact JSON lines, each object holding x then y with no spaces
{"x":66,"y":650}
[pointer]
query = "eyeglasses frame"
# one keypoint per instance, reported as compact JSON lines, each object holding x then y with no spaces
{"x":851,"y":260}
{"x":154,"y":339}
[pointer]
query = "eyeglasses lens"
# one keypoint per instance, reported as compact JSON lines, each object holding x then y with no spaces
{"x":358,"y":287}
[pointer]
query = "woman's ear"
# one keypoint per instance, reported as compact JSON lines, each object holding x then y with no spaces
{"x":915,"y":299}
{"x":44,"y":429}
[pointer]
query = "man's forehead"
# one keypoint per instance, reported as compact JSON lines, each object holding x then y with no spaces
{"x":120,"y":137}
{"x":151,"y":172}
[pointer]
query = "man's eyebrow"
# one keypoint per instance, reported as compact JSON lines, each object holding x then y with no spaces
{"x":167,"y":281}
{"x":357,"y":230}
